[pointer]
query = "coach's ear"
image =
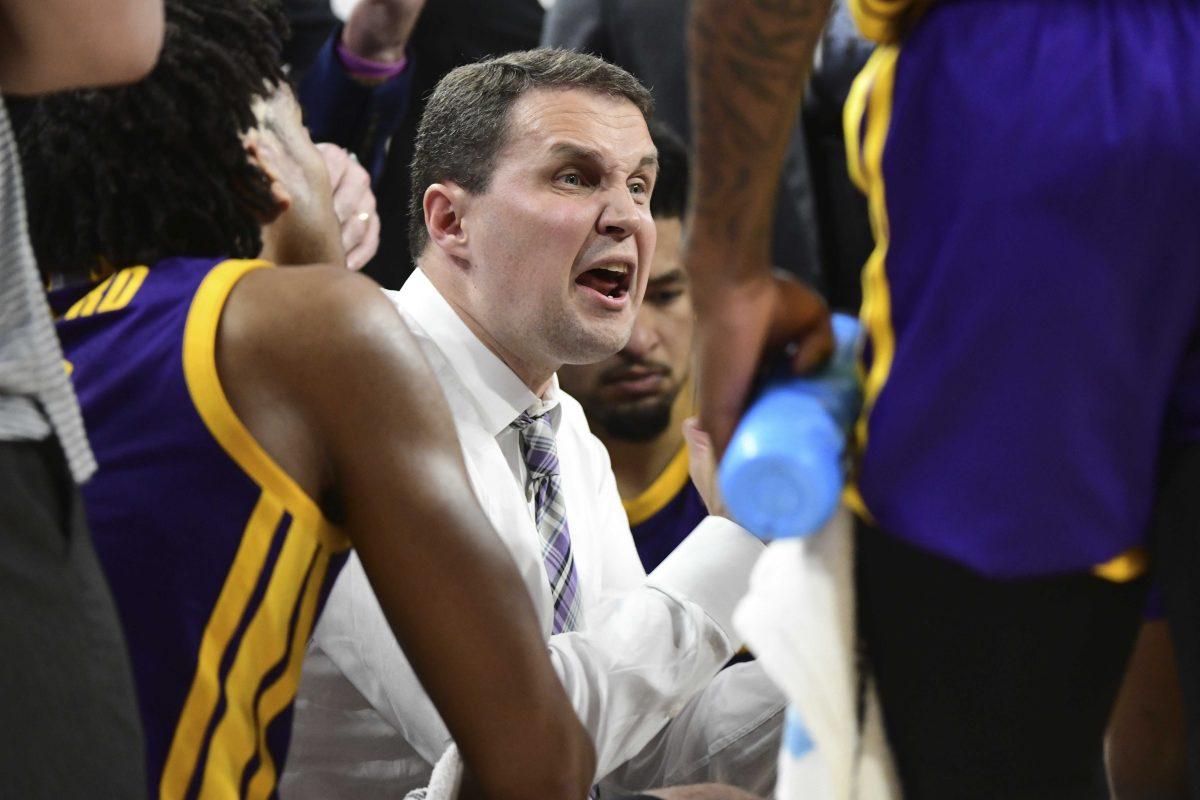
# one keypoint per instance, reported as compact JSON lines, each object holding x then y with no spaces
{"x":444,"y":204}
{"x":265,"y":152}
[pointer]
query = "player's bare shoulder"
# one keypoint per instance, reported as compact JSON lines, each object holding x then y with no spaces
{"x":307,"y":355}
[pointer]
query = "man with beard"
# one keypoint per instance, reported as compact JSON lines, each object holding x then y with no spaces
{"x":637,"y":400}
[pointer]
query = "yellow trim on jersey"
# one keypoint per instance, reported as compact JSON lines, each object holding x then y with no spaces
{"x":1131,"y":564}
{"x":872,"y":95}
{"x":309,"y":540}
{"x":885,"y":21}
{"x":189,"y":739}
{"x":275,"y":699}
{"x":235,"y":740}
{"x":664,"y":489}
{"x":853,"y":114}
{"x":204,"y":385}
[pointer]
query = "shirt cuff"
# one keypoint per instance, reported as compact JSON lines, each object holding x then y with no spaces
{"x":711,"y":567}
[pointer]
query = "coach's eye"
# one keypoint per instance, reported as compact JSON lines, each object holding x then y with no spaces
{"x":571,"y":179}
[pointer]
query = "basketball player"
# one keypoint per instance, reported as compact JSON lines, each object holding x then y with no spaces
{"x":252,"y":423}
{"x":1031,"y":307}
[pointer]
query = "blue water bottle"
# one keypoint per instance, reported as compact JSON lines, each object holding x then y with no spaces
{"x":783,"y":471}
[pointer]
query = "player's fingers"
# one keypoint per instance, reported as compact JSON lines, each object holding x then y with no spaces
{"x":813,"y":350}
{"x":702,"y":465}
{"x":800,"y":324}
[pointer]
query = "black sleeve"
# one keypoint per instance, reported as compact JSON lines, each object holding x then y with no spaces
{"x":577,"y":25}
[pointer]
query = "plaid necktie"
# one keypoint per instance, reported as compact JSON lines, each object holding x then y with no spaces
{"x":544,"y":484}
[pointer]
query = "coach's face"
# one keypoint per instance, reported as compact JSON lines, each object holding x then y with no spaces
{"x":560,"y":243}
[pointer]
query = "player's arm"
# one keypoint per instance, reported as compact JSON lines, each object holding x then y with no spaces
{"x":49,"y":45}
{"x":749,"y":61}
{"x":322,"y":369}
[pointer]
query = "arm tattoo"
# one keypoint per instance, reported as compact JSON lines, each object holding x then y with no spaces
{"x":749,"y":61}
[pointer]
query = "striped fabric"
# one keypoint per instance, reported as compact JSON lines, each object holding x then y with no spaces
{"x":35,"y":392}
{"x":550,"y":514}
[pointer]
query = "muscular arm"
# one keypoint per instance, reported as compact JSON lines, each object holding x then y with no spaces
{"x":749,"y":61}
{"x":322,"y":370}
{"x":49,"y":45}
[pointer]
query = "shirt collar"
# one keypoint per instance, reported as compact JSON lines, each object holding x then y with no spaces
{"x":499,"y":394}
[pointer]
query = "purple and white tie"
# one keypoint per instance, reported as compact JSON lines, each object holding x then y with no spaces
{"x":544,"y":484}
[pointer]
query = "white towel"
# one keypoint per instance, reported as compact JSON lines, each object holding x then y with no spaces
{"x":798,"y":619}
{"x":446,"y":779}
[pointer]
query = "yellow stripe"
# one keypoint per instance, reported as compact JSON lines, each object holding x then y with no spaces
{"x":280,"y":492}
{"x":227,"y":612}
{"x":886,"y":21}
{"x":872,"y":94}
{"x":852,"y":119}
{"x":204,"y":385}
{"x":877,"y":302}
{"x":263,"y":645}
{"x":665,"y":487}
{"x":281,"y":693}
{"x":1131,"y":564}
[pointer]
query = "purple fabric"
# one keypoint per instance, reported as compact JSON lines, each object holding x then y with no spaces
{"x":168,"y":507}
{"x":657,"y":535}
{"x":1042,"y":179}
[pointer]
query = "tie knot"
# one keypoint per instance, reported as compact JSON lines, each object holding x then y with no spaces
{"x":537,"y":445}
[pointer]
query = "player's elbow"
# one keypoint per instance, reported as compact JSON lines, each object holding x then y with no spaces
{"x":132,"y":54}
{"x":556,"y":760}
{"x":117,"y":43}
{"x":70,"y":45}
{"x":577,"y":754}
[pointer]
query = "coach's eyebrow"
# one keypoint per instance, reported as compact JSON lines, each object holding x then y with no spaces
{"x":574,"y":152}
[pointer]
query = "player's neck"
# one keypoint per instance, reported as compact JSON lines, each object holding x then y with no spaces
{"x":638,"y":464}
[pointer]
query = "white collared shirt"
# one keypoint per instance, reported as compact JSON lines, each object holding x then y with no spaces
{"x":363,"y":725}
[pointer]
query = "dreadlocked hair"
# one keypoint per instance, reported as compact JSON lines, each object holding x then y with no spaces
{"x":130,"y":175}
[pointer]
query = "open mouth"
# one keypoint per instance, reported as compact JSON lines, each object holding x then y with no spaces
{"x":610,"y":280}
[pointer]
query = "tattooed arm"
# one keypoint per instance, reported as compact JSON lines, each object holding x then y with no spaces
{"x":749,"y":62}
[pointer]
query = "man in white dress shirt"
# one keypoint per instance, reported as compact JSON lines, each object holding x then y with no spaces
{"x":532,"y":179}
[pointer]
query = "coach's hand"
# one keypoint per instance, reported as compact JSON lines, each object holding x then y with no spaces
{"x":354,"y":204}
